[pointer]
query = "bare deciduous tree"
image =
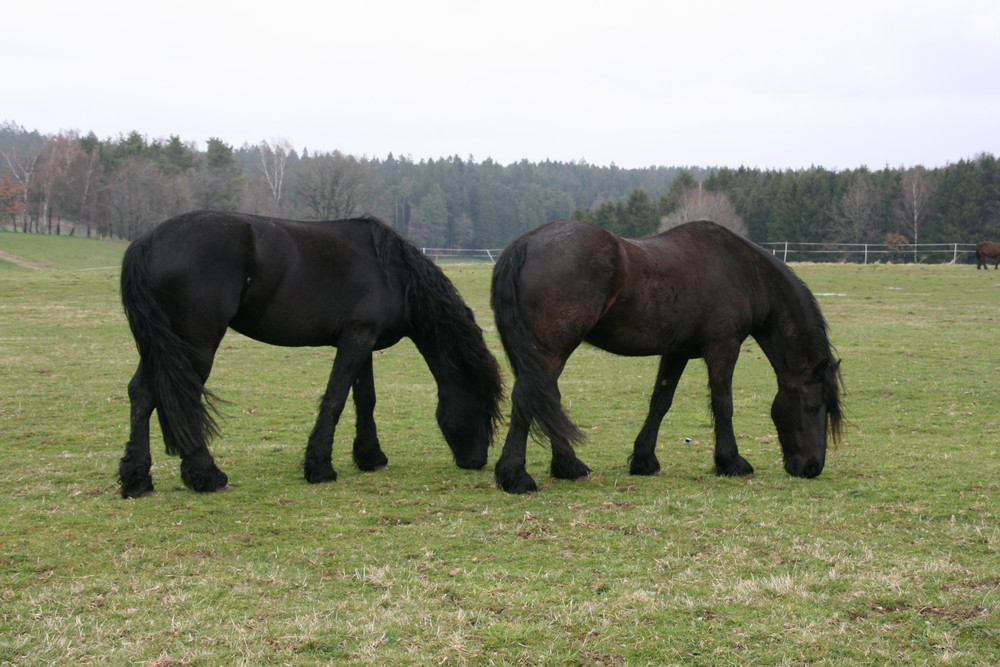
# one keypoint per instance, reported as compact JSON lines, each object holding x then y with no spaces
{"x":335,"y":186}
{"x":22,"y":161}
{"x":143,"y":196}
{"x":914,"y":203}
{"x":273,"y":157}
{"x":696,"y":203}
{"x":855,"y":216}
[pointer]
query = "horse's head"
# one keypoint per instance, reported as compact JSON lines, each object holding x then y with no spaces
{"x":467,"y":428}
{"x":805,"y":411}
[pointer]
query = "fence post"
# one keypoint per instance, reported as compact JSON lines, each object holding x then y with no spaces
{"x":866,"y":253}
{"x":785,"y":260}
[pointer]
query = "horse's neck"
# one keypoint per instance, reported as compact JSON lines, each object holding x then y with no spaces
{"x":789,"y":342}
{"x":446,"y":370}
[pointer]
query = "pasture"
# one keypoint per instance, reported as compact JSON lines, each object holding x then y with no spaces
{"x":892,"y":555}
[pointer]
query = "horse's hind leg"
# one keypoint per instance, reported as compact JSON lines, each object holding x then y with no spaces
{"x":367,"y":451}
{"x":565,"y":464}
{"x":643,"y":460}
{"x":728,"y":461}
{"x":198,"y":470}
{"x":133,"y":469}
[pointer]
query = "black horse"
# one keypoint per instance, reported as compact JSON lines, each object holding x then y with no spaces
{"x":697,"y":290}
{"x":985,"y":251}
{"x":354,"y":284}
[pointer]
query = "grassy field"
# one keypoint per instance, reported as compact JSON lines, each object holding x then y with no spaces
{"x":892,"y":555}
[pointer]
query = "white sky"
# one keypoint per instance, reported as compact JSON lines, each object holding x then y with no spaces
{"x":637,"y":83}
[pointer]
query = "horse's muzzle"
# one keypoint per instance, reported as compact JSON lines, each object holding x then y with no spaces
{"x":808,"y":468}
{"x":471,"y":462}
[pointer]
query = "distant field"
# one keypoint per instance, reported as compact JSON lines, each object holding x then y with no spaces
{"x":37,"y":251}
{"x":891,"y":556}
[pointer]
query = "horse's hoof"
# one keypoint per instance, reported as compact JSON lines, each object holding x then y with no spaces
{"x":569,"y":468}
{"x":516,"y":484}
{"x":321,"y":477}
{"x":145,"y":493}
{"x":644,"y":467}
{"x":741,"y":468}
{"x":370,"y":462}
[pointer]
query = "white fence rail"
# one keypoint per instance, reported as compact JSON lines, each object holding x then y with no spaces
{"x":859,"y":253}
{"x":870,"y":253}
{"x":463,"y":254}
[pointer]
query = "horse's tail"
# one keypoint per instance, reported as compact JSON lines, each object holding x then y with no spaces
{"x":535,"y":401}
{"x":178,"y":390}
{"x":441,"y":322}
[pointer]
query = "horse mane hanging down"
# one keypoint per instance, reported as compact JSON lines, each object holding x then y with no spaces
{"x":696,"y":290}
{"x":353,"y":284}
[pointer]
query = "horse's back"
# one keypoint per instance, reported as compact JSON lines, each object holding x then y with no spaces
{"x":279,"y":281}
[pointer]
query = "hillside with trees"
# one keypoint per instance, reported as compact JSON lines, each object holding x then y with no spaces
{"x":119,"y":187}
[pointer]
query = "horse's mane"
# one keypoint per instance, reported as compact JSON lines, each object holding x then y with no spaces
{"x":438,"y":315}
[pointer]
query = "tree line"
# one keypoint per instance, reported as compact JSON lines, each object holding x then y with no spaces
{"x":119,"y":187}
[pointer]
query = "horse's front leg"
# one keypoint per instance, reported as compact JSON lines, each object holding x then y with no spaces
{"x":720,"y":381}
{"x":133,"y":469}
{"x":367,"y":451}
{"x":643,"y":460}
{"x":347,"y":365}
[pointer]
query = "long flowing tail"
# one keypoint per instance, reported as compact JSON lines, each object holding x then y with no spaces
{"x":536,"y":400}
{"x":180,"y":395}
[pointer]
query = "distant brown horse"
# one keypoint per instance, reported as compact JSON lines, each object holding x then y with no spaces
{"x":987,"y":250}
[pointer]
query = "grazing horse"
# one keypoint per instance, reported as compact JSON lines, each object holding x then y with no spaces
{"x":697,"y":290}
{"x":353,"y":284}
{"x":987,"y":250}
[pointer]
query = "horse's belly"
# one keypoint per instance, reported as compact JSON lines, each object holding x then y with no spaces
{"x":284,"y":333}
{"x":643,"y":341}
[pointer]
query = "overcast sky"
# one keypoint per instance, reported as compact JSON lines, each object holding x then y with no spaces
{"x":635,"y":83}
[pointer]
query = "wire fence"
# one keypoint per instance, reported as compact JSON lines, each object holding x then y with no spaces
{"x":857,"y":253}
{"x":463,"y":254}
{"x":873,"y":253}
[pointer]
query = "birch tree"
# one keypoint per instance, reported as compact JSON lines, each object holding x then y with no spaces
{"x":914,"y":203}
{"x":273,"y":158}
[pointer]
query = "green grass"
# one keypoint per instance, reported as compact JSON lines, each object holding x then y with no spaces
{"x":890,"y":556}
{"x":37,"y":251}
